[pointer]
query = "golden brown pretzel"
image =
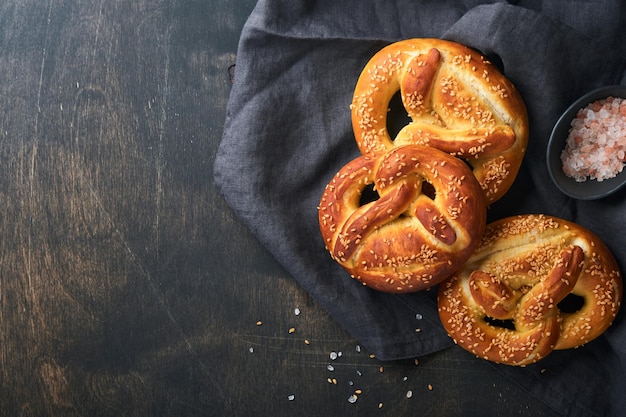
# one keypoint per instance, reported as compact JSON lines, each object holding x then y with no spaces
{"x":405,"y":240}
{"x":457,"y":101}
{"x":503,"y":305}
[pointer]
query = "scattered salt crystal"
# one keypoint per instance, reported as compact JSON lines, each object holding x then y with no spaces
{"x":352,"y":399}
{"x":333,"y":356}
{"x":409,"y":394}
{"x":291,"y":397}
{"x":596,"y":143}
{"x":251,"y":350}
{"x":296,"y":311}
{"x":418,"y":316}
{"x":358,"y":348}
{"x":330,"y":367}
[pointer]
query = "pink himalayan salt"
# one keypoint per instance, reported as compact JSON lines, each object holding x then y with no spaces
{"x":596,"y":144}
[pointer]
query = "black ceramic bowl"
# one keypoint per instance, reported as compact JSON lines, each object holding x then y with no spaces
{"x":590,"y":189}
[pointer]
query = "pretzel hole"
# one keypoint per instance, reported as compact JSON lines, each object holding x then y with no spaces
{"x":571,"y":303}
{"x":368,"y":195}
{"x":504,"y":324}
{"x":397,"y":116}
{"x":428,"y":190}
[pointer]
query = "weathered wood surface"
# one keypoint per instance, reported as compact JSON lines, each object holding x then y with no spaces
{"x":127,"y":287}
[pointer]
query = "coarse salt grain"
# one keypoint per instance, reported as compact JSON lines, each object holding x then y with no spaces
{"x":596,"y":143}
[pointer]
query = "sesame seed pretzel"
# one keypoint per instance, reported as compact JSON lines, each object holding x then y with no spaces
{"x":457,"y":102}
{"x":405,"y":240}
{"x":508,"y":304}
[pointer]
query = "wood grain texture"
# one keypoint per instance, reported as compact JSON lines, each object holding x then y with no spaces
{"x":127,"y":287}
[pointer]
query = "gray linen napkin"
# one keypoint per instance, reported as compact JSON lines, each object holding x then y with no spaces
{"x":288,"y":132}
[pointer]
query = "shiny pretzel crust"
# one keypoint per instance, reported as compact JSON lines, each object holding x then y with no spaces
{"x":458,"y":102}
{"x":524,"y":266}
{"x":404,"y":241}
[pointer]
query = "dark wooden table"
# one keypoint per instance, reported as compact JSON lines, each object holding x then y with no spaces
{"x":127,"y":285}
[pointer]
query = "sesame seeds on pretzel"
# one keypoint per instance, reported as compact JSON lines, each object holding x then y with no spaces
{"x":405,"y":240}
{"x":457,"y":101}
{"x":508,"y":303}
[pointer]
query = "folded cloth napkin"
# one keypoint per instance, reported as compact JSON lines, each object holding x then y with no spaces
{"x":288,"y":131}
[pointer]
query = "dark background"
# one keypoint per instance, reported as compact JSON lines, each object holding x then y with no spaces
{"x":127,"y":286}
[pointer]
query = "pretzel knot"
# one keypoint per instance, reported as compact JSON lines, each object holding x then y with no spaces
{"x":457,"y":101}
{"x":509,"y":303}
{"x":405,"y":239}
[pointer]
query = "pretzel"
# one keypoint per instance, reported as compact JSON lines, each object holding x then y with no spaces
{"x":406,"y":240}
{"x":457,"y":102}
{"x":509,"y":303}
